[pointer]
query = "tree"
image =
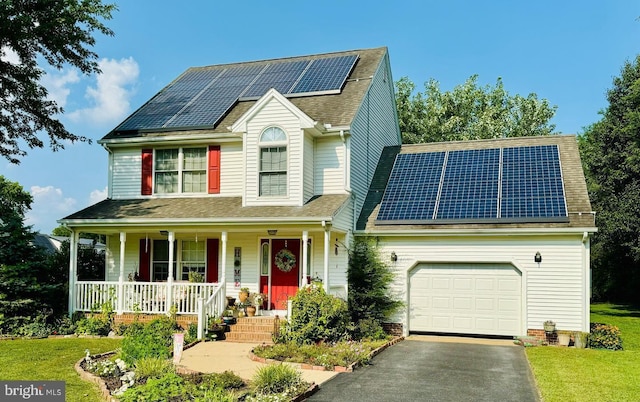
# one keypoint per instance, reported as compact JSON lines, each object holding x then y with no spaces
{"x":29,"y":284}
{"x":369,"y":280}
{"x":469,"y":112}
{"x":610,"y":151}
{"x":58,"y":32}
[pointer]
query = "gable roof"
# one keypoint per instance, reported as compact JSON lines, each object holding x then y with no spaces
{"x":335,"y":108}
{"x":578,"y":206}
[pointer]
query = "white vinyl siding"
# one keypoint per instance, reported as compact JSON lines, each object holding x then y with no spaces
{"x":126,"y":176}
{"x":308,"y":162}
{"x":231,"y":164}
{"x":553,"y":290}
{"x":274,"y":114}
{"x":329,"y":166}
{"x":343,"y":220}
{"x":374,"y":127}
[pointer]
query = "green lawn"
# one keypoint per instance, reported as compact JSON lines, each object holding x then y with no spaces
{"x":53,"y":359}
{"x":569,"y":374}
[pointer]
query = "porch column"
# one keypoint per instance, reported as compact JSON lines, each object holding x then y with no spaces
{"x":327,"y":247}
{"x":73,"y":269}
{"x":169,"y":298}
{"x":120,"y":301}
{"x":305,"y":258}
{"x":223,"y":271}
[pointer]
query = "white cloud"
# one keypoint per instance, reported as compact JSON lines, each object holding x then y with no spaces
{"x":49,"y":205}
{"x":57,"y":84}
{"x":110,"y":97}
{"x":97,"y":196}
{"x":10,"y":55}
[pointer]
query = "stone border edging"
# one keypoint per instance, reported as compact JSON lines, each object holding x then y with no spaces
{"x":337,"y":369}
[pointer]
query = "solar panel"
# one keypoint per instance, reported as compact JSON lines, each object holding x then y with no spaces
{"x":280,"y":76}
{"x":532,"y":183}
{"x":413,"y":187}
{"x":202,"y":97}
{"x":470,"y":185}
{"x":325,"y":74}
{"x":480,"y":185}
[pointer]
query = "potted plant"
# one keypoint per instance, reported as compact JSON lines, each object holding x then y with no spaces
{"x":563,"y":339}
{"x":229,"y":316}
{"x":216,"y":328}
{"x":580,"y":339}
{"x":244,"y":295}
{"x":549,"y":326}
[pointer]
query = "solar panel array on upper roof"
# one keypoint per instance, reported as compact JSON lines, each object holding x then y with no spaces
{"x":481,"y":185}
{"x":201,"y":97}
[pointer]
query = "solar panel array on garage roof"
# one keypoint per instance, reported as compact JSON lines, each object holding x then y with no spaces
{"x":480,"y":185}
{"x":202,"y":97}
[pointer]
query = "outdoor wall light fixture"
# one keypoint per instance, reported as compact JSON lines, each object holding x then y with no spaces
{"x":272,"y":232}
{"x":335,"y":250}
{"x":164,"y":232}
{"x":394,"y":256}
{"x":537,"y":258}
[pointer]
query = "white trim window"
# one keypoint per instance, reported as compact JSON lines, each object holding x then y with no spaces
{"x":193,"y":259}
{"x":180,"y":170}
{"x":273,"y":162}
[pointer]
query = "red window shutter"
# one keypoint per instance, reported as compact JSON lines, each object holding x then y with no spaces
{"x":147,"y":172}
{"x":214,"y":169}
{"x":212,"y":260}
{"x":145,"y":260}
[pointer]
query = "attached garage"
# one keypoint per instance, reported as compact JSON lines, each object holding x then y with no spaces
{"x":480,"y":299}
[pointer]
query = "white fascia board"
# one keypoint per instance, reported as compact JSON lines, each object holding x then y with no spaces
{"x":240,"y":126}
{"x":191,"y":222}
{"x":478,"y":232}
{"x":182,"y":138}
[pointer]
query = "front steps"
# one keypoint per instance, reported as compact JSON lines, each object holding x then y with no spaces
{"x":253,"y":330}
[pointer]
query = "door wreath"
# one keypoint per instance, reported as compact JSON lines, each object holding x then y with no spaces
{"x":285,"y":260}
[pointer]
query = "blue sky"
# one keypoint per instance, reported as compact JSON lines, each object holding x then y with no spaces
{"x":564,"y":51}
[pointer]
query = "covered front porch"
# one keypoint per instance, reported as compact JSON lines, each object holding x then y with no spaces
{"x":190,"y":271}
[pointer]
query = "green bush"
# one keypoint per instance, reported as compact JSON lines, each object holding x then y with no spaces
{"x":369,"y":328}
{"x":152,"y":340}
{"x":169,"y":386}
{"x":604,"y":336}
{"x":64,"y":325}
{"x":275,"y":379}
{"x":94,"y":325}
{"x":152,"y":367}
{"x":192,"y":333}
{"x":316,"y":317}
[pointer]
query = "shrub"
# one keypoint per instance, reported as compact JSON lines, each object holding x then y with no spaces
{"x":165,"y":388}
{"x":152,"y":367}
{"x":316,"y":317}
{"x":369,"y":328}
{"x":94,"y":325}
{"x":64,"y":326}
{"x":369,"y":284}
{"x":192,"y":333}
{"x":152,"y":340}
{"x":604,"y":336}
{"x":275,"y":379}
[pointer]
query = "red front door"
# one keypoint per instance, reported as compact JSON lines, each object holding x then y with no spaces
{"x":285,"y":271}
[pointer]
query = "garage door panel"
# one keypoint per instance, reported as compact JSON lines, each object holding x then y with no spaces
{"x":466,"y":298}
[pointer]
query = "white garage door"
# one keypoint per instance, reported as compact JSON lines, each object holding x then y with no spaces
{"x":465,"y":298}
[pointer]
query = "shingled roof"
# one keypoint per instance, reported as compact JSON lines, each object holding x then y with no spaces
{"x":333,"y":109}
{"x":579,"y":209}
{"x":203,"y":209}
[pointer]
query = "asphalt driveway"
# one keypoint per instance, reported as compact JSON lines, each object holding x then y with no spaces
{"x":415,"y":370}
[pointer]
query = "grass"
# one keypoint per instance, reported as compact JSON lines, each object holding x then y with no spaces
{"x":53,"y":359}
{"x":568,"y":374}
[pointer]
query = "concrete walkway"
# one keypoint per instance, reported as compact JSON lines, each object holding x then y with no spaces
{"x":217,"y":357}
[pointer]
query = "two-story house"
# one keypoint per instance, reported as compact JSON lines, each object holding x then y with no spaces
{"x":260,"y":174}
{"x":250,"y":174}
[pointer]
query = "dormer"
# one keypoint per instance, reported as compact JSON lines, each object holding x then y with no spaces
{"x":276,"y":134}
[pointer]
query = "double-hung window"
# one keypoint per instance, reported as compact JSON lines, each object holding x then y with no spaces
{"x":181,"y":170}
{"x":193,"y":258}
{"x":273,"y":162}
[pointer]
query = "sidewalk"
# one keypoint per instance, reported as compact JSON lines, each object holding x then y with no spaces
{"x":216,"y":357}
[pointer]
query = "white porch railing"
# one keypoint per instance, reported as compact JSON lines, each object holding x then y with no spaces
{"x":143,"y":297}
{"x":211,"y":307}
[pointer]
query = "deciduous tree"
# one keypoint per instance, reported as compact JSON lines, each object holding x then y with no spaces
{"x":59,"y":33}
{"x":469,"y":112}
{"x":610,"y":151}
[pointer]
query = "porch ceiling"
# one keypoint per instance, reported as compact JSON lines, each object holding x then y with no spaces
{"x":203,"y":209}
